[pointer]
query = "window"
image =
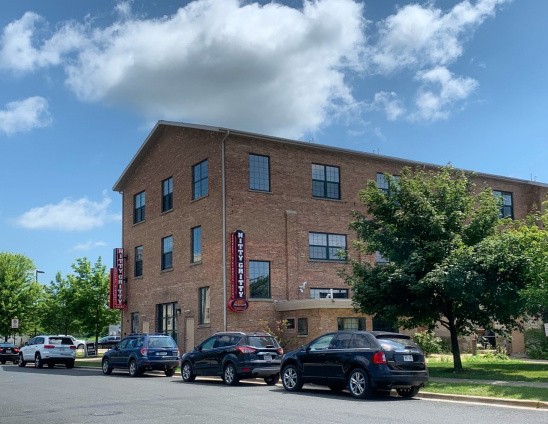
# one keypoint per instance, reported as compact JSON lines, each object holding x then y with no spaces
{"x":350,"y":324}
{"x":302,"y":324}
{"x":167,"y":252}
{"x":196,"y":245}
{"x":383,"y":325}
{"x":506,"y":207}
{"x":325,"y":182}
{"x":167,"y":194}
{"x":330,"y":247}
{"x":259,"y":279}
{"x":138,"y":261}
{"x":290,"y":324}
{"x":383,"y":182}
{"x":135,"y":322}
{"x":204,"y":304}
{"x":327,"y":293}
{"x":259,"y":172}
{"x":380,"y":259}
{"x":139,"y":207}
{"x":199,"y":180}
{"x":166,"y":319}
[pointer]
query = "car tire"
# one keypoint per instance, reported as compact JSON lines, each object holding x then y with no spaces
{"x":229,"y":375}
{"x":80,"y":346}
{"x":292,"y":379}
{"x":272,"y":380}
{"x":21,"y":363}
{"x":187,"y":374}
{"x":51,"y":365}
{"x":358,"y":384}
{"x":169,"y":372}
{"x":134,"y":369}
{"x":408,"y":392}
{"x":70,"y":364}
{"x":38,"y":363}
{"x":105,"y":367}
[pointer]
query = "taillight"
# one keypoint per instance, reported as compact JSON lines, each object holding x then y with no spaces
{"x":247,"y":349}
{"x":280,"y":351}
{"x":73,"y":347}
{"x":49,"y":346}
{"x":144,"y":351}
{"x":379,"y":358}
{"x":15,"y":350}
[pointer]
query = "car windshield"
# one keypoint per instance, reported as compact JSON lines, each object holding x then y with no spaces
{"x":396,"y":343}
{"x":263,"y":341}
{"x":7,"y":345}
{"x":161,"y":342}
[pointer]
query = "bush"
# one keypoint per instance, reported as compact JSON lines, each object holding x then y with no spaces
{"x":536,"y":344}
{"x":429,"y":342}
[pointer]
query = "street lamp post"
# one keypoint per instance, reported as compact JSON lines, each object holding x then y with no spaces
{"x":38,"y":272}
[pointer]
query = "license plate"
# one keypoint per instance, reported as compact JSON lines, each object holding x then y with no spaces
{"x":408,"y":358}
{"x":268,"y":357}
{"x":161,"y":353}
{"x":8,"y":350}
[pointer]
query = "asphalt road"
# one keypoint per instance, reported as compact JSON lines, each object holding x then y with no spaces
{"x":59,"y":395}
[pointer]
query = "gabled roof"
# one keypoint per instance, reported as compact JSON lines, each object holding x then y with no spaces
{"x":158,"y":130}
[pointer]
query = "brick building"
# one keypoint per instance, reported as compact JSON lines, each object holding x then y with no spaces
{"x":191,"y":191}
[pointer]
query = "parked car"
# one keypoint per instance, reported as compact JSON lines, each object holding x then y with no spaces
{"x":362,"y":361}
{"x":8,"y":352}
{"x":48,"y":350}
{"x":234,"y":356}
{"x":107,"y":342}
{"x":80,"y":344}
{"x":143,"y":352}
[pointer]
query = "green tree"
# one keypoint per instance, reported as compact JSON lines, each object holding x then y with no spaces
{"x":446,"y":261}
{"x":91,"y":295}
{"x":58,"y":310}
{"x":19,"y":292}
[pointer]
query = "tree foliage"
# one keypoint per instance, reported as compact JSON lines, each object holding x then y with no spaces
{"x":446,"y":261}
{"x":19,"y":292}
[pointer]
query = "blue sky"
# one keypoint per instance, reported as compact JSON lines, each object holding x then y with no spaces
{"x":83,"y":82}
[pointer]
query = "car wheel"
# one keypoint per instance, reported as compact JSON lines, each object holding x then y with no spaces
{"x":105,"y":366}
{"x":21,"y":362}
{"x":51,"y":364}
{"x":70,"y":364}
{"x":272,"y":380}
{"x":292,"y":379}
{"x":336,"y":387}
{"x":408,"y":392}
{"x":187,"y":374}
{"x":358,"y":384}
{"x":169,"y":372}
{"x":80,"y":346}
{"x":229,"y":375}
{"x":38,"y":363}
{"x":133,"y":369}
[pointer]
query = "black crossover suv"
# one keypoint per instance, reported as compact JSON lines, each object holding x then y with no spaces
{"x":234,"y":356}
{"x":362,"y":361}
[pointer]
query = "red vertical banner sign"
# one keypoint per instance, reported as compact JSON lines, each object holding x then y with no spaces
{"x":238,"y":300}
{"x":117,"y":280}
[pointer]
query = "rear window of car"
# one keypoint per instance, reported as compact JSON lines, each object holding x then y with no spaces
{"x":60,"y":341}
{"x":263,"y":341}
{"x":161,"y":342}
{"x":396,"y":343}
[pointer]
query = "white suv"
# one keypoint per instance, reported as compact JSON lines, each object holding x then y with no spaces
{"x":48,"y":350}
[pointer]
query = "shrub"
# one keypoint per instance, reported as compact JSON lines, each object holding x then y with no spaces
{"x":429,"y":342}
{"x":536,"y":344}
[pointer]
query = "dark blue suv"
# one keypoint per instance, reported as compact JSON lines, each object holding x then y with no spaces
{"x":143,"y":352}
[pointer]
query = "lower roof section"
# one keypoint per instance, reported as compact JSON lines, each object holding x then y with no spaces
{"x":297,"y":305}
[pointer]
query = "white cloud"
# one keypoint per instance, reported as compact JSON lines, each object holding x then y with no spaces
{"x":440,"y":90}
{"x":69,"y":215}
{"x":424,"y":36}
{"x":89,"y":245}
{"x":389,"y":103}
{"x":25,"y":115}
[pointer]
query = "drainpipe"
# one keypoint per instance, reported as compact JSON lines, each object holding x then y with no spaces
{"x":223,"y":179}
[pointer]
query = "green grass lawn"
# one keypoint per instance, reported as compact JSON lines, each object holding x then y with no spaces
{"x":489,"y":368}
{"x":485,"y":390}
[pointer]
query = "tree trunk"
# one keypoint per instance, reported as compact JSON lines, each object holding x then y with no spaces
{"x":457,"y":364}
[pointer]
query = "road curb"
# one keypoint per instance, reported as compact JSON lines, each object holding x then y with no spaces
{"x":486,"y":400}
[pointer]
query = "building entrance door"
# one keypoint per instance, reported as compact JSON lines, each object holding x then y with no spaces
{"x":189,"y":334}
